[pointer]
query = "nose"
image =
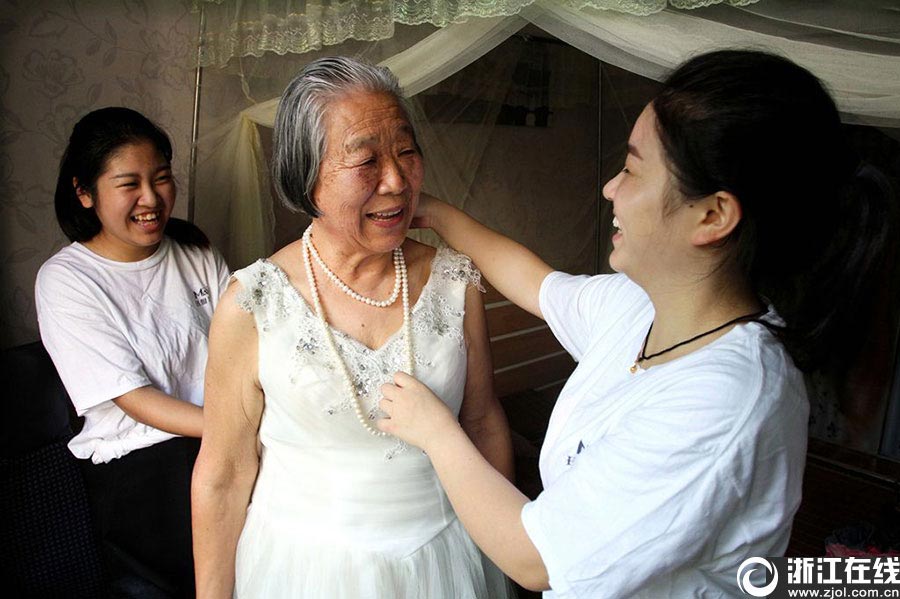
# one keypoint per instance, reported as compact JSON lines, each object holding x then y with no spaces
{"x":149,"y":195}
{"x":609,"y":190}
{"x":393,"y":178}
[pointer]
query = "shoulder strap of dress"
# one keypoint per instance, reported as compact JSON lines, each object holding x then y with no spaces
{"x":258,"y":281}
{"x":450,"y":265}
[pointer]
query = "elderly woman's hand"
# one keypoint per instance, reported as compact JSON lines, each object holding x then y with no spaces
{"x":415,"y":414}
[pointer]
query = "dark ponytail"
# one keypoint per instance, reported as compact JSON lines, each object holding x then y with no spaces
{"x":94,"y":140}
{"x":832,"y":309}
{"x":186,"y":233}
{"x":815,"y":224}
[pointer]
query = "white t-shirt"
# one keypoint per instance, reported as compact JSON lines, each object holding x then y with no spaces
{"x":112,"y":327}
{"x":660,"y":483}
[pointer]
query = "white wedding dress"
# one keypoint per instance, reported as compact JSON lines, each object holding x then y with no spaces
{"x":337,"y":512}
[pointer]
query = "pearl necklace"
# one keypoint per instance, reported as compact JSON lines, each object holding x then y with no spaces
{"x":400,"y":262}
{"x":398,"y":256}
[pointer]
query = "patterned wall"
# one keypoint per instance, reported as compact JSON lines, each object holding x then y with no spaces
{"x":59,"y":60}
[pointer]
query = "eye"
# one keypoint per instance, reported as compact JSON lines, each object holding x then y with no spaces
{"x":164,"y":178}
{"x":128,"y":184}
{"x":408,"y":151}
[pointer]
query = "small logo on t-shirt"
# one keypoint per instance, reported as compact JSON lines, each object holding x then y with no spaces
{"x":571,"y":459}
{"x":201,"y":296}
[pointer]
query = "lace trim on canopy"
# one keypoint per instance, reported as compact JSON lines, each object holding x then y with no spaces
{"x":235,"y":28}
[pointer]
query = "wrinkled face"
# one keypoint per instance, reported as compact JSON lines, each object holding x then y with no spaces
{"x":371,"y":174}
{"x":133,"y":200}
{"x":646,"y":241}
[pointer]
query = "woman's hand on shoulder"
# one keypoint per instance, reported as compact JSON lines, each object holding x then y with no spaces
{"x":419,"y":258}
{"x":425,"y":210}
{"x":514,"y":270}
{"x":415,"y":414}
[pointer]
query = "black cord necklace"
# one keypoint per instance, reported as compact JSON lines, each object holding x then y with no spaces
{"x":642,"y":356}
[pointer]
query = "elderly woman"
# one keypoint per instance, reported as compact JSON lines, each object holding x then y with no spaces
{"x":299,"y":348}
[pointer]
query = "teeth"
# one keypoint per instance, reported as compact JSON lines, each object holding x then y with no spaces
{"x":387,"y":214}
{"x":146,"y":217}
{"x":616,"y":222}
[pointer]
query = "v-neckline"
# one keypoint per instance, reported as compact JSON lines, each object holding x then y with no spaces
{"x":286,"y":280}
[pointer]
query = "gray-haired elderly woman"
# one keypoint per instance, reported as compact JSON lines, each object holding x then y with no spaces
{"x":296,"y":492}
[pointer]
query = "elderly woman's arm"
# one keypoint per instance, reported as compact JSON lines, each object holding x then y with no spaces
{"x":228,"y":462}
{"x":481,"y":415}
{"x":513,"y":269}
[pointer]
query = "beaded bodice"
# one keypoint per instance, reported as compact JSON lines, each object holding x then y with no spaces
{"x":294,"y":358}
{"x":322,"y":475}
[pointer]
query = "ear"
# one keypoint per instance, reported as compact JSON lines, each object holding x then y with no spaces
{"x":717,"y":216}
{"x":83,"y":195}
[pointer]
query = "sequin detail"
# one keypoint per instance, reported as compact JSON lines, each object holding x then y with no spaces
{"x":273,"y":300}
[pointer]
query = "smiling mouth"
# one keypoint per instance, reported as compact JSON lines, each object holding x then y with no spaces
{"x":615,"y":224}
{"x":148,"y":217}
{"x":385,"y":216}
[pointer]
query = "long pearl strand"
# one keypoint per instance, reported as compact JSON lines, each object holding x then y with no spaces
{"x":329,"y":337}
{"x":398,"y":255}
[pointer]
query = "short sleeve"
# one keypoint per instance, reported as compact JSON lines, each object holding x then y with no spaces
{"x":575,"y":306}
{"x":223,"y":274}
{"x":89,"y":348}
{"x":644,"y":499}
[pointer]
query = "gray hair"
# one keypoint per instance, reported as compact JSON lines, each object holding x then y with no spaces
{"x":299,"y":138}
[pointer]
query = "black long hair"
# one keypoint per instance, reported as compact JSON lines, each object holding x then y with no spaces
{"x":815,"y":224}
{"x":94,"y":140}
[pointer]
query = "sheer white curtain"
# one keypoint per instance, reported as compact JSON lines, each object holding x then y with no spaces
{"x":865,"y":83}
{"x":234,"y":203}
{"x":236,"y":28}
{"x":859,"y":61}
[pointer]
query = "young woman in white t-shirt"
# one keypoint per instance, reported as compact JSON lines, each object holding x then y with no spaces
{"x":124,"y":313}
{"x":745,"y":234}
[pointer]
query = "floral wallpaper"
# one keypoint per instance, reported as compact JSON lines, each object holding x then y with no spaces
{"x":61,"y":59}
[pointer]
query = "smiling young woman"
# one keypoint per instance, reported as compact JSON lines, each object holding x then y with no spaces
{"x":124,"y":313}
{"x":133,"y":198}
{"x":745,"y":234}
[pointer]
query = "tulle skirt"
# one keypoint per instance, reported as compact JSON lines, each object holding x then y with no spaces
{"x":274,"y":565}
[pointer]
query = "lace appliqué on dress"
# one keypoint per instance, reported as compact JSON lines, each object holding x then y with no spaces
{"x":452,"y":265}
{"x":273,"y":300}
{"x":263,"y":295}
{"x":433,"y":315}
{"x":369,"y":370}
{"x":438,"y":318}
